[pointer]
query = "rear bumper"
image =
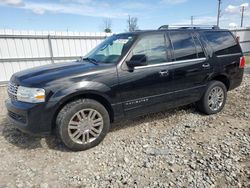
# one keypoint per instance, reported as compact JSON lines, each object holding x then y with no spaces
{"x":33,"y":119}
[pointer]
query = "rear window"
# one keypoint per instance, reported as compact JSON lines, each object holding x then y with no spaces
{"x":183,"y":44}
{"x":222,"y":42}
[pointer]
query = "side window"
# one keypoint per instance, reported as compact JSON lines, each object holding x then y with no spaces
{"x":199,"y":49}
{"x":153,"y":46}
{"x":183,"y":44}
{"x":222,"y":42}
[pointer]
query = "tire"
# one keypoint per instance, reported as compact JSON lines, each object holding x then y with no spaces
{"x":83,"y":118}
{"x":206,"y":104}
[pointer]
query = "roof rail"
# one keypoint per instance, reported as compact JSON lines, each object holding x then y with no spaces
{"x":163,"y":27}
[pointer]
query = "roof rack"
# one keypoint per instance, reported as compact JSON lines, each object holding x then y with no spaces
{"x":163,"y":27}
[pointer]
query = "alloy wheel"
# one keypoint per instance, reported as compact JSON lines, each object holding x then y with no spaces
{"x":216,"y":98}
{"x":85,"y":126}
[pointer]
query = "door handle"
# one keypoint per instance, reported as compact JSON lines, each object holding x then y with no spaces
{"x":164,"y":73}
{"x":206,"y":65}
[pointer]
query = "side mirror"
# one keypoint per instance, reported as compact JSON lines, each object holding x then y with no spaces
{"x":137,"y":60}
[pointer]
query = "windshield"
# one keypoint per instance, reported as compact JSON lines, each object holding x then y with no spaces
{"x":112,"y":49}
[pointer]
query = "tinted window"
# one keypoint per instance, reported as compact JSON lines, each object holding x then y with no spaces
{"x":183,"y":44}
{"x":222,"y":42}
{"x":153,"y":46}
{"x":199,"y":49}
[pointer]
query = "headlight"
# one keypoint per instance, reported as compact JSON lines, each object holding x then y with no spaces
{"x":31,"y":95}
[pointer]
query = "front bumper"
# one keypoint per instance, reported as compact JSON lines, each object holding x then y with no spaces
{"x":35,"y":119}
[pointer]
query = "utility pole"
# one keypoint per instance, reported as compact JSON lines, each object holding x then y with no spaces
{"x":243,"y":8}
{"x":218,"y":14}
{"x":192,"y":20}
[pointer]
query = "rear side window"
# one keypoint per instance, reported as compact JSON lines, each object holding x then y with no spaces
{"x":222,"y":42}
{"x":183,"y":44}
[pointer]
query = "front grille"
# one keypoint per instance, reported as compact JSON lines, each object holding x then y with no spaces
{"x":12,"y":90}
{"x":17,"y":117}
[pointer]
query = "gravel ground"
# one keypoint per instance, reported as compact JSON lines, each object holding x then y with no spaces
{"x":177,"y":148}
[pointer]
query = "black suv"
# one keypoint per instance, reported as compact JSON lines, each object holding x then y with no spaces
{"x":127,"y":75}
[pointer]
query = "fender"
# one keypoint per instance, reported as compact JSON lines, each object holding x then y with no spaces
{"x":212,"y":76}
{"x":223,"y":77}
{"x":81,"y":88}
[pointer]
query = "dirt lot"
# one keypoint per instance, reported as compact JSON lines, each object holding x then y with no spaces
{"x":178,"y":148}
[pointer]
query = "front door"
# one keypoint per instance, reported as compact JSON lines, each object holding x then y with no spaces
{"x":147,"y":88}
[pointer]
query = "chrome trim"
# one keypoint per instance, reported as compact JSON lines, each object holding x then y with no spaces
{"x":162,"y":94}
{"x":172,"y":63}
{"x":154,"y":96}
{"x":14,"y":94}
{"x":12,"y":90}
{"x":229,"y":55}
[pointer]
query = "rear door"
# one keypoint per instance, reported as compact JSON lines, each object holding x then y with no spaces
{"x":192,"y":67}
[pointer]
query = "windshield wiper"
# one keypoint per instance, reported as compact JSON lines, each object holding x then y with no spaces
{"x":92,"y":60}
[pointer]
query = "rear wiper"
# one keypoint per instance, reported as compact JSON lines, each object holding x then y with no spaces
{"x":92,"y":60}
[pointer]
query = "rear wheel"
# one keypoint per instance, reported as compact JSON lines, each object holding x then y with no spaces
{"x":82,"y":124}
{"x":213,"y":99}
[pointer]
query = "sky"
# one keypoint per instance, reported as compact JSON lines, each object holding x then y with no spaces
{"x":89,"y":15}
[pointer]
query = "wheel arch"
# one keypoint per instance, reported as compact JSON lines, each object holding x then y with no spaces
{"x":87,"y":95}
{"x":222,"y":78}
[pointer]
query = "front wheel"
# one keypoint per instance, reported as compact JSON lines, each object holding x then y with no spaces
{"x":82,"y":124}
{"x":213,"y":99}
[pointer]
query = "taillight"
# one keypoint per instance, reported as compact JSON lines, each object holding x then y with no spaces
{"x":242,"y":62}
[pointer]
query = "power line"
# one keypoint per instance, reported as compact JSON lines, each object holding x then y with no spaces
{"x":218,"y":14}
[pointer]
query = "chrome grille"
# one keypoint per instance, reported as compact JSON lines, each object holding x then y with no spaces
{"x":12,"y":90}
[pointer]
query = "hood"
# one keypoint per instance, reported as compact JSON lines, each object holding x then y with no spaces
{"x":42,"y":75}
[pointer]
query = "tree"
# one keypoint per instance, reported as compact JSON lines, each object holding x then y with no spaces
{"x":132,"y":23}
{"x":107,"y":23}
